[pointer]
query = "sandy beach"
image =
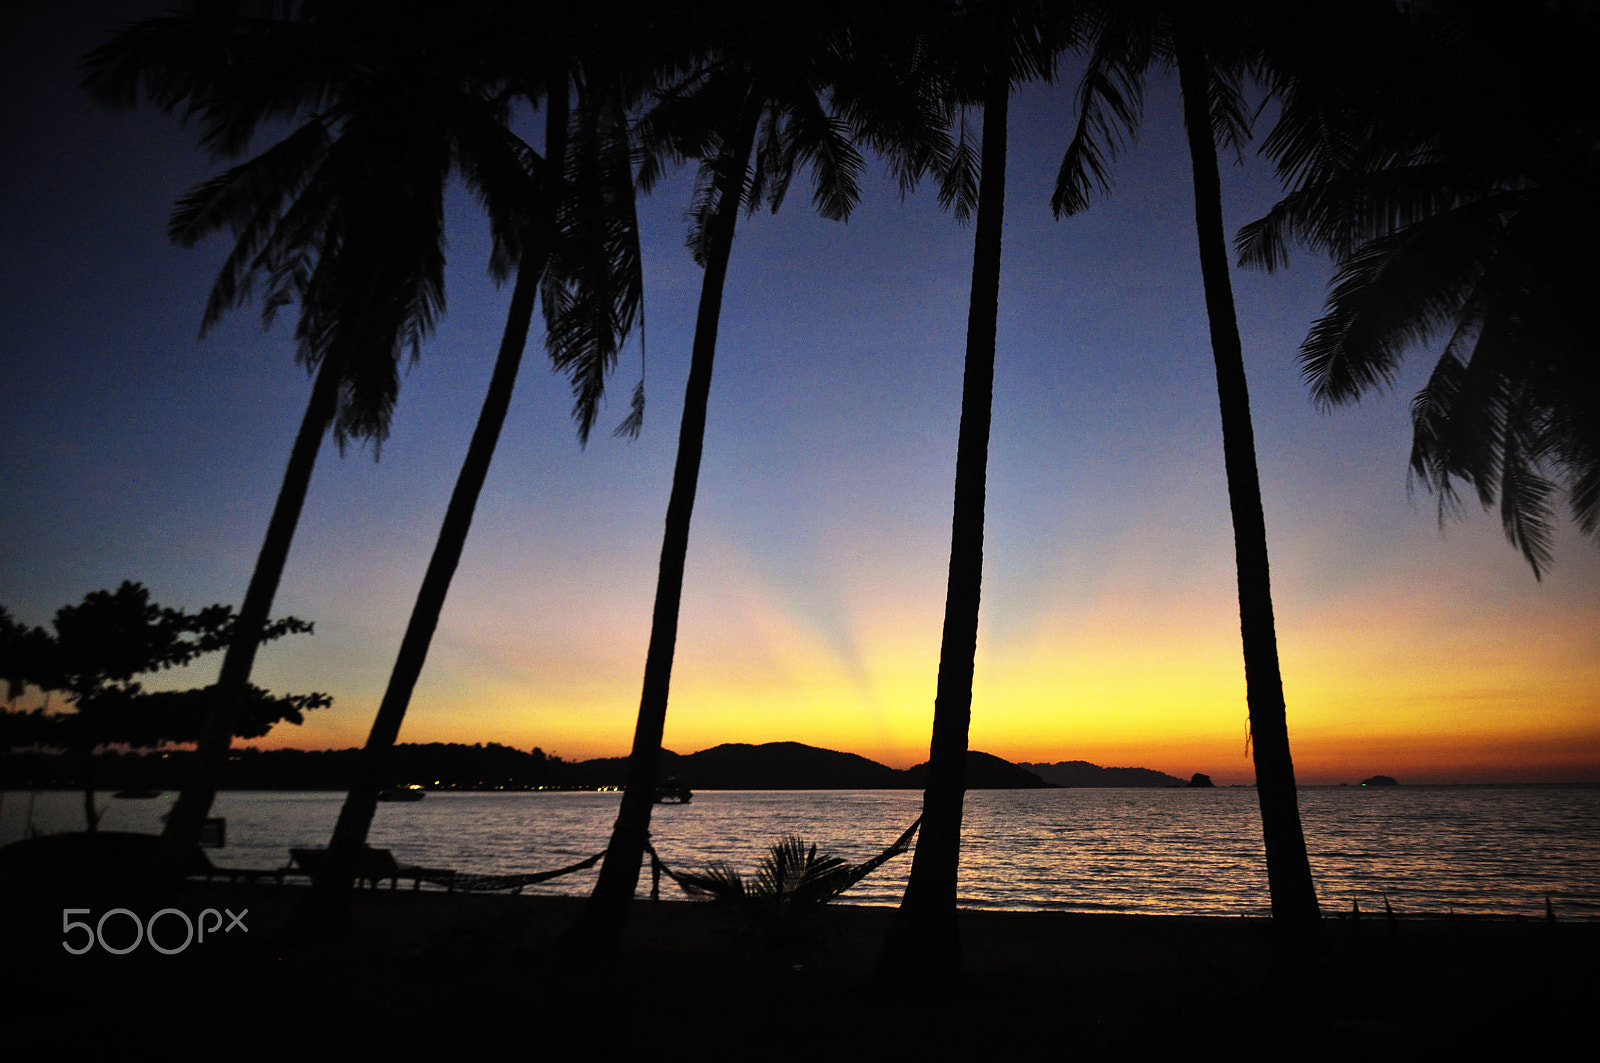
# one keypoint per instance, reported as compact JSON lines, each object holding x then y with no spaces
{"x":439,"y":973}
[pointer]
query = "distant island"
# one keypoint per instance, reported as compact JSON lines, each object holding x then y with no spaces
{"x":454,"y":766}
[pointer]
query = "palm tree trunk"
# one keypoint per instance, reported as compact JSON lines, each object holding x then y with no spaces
{"x":923,"y":936}
{"x":607,"y":909}
{"x":188,"y":814}
{"x":329,"y":904}
{"x":1294,"y":898}
{"x":331,"y":890}
{"x":91,"y":817}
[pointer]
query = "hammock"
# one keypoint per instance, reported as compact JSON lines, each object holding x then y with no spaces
{"x":840,"y":878}
{"x":514,"y":883}
{"x":818,"y":881}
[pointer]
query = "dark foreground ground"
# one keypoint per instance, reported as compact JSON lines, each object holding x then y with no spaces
{"x":438,"y":976}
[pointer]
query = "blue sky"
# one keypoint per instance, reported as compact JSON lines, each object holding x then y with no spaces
{"x":815,"y":581}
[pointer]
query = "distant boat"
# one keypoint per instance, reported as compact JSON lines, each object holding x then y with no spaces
{"x":673,"y":792}
{"x":137,"y":795}
{"x":414,"y":792}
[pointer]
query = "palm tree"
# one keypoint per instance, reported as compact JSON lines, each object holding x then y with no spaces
{"x":594,"y":274}
{"x":772,"y":88}
{"x":1451,"y":189}
{"x":983,"y":49}
{"x":1212,"y":50}
{"x":344,"y":215}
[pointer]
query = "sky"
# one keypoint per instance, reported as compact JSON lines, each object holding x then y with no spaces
{"x":135,"y":450}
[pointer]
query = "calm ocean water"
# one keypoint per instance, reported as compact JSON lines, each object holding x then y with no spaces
{"x":1480,"y":850}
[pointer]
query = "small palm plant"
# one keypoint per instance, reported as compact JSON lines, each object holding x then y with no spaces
{"x":790,"y":883}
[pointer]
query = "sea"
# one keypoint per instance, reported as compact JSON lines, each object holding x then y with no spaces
{"x":1421,"y":850}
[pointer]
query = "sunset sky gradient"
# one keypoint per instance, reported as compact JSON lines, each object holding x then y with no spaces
{"x":815,"y":583}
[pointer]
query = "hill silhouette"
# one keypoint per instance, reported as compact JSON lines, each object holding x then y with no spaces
{"x":455,"y":766}
{"x":794,"y":766}
{"x":984,"y":772}
{"x":783,"y":766}
{"x":1082,"y":773}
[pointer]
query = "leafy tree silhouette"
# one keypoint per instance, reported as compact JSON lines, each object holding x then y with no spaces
{"x":96,"y":658}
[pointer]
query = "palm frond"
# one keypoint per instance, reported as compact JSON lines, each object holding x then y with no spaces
{"x":823,"y":141}
{"x":1231,"y":116}
{"x":685,"y":120}
{"x":721,"y":175}
{"x":1479,"y":420}
{"x":596,"y":257}
{"x":792,"y":879}
{"x":702,"y":208}
{"x":1396,"y":291}
{"x":718,"y":882}
{"x":1450,"y":182}
{"x":1109,"y":102}
{"x":507,"y":177}
{"x":1584,"y":496}
{"x":959,"y":174}
{"x":1525,"y":507}
{"x":289,"y":254}
{"x":630,"y":425}
{"x":1342,"y":215}
{"x":377,"y":288}
{"x":1325,"y":118}
{"x":1033,"y":41}
{"x":771,"y":160}
{"x":248,"y":199}
{"x":230,"y":67}
{"x":891,"y":98}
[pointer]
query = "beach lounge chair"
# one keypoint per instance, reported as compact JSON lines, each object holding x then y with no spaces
{"x":373,"y":867}
{"x":200,"y":866}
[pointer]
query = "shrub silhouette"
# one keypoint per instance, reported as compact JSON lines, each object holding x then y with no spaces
{"x":790,"y":883}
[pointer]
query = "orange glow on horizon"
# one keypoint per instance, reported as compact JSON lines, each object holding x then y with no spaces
{"x":1145,"y":671}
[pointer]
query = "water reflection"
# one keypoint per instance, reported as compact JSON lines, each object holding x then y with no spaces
{"x":1427,"y":849}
